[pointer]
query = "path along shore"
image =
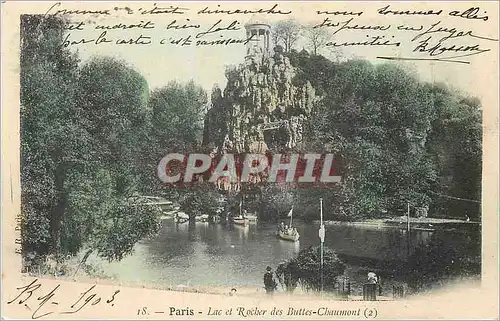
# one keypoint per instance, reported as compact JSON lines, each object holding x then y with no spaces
{"x":214,"y":290}
{"x":425,"y":223}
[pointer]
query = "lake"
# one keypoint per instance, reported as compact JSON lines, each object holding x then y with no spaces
{"x":203,"y":254}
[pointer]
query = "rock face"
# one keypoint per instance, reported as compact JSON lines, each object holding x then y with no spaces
{"x":263,"y":107}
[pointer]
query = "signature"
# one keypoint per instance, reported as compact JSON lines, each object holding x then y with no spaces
{"x":41,"y":305}
{"x":440,"y":48}
{"x":436,"y":42}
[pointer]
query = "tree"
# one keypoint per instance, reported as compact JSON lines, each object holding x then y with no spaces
{"x":317,"y":39}
{"x":176,"y":125}
{"x":455,"y":145}
{"x":49,"y":130}
{"x":434,"y":262}
{"x":202,"y":199}
{"x":80,"y":138}
{"x":286,"y":33}
{"x":275,"y":201}
{"x":377,"y":121}
{"x":114,"y":102}
{"x":305,"y":269}
{"x":178,"y":111}
{"x":101,"y":219}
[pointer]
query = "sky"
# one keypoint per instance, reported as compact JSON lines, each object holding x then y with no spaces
{"x":160,"y":64}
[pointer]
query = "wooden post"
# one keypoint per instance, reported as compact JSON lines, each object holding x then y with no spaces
{"x":322,"y":240}
{"x":408,"y":232}
{"x":370,"y":292}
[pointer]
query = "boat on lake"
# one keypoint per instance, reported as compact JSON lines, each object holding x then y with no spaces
{"x":240,"y":221}
{"x":288,"y":233}
{"x":202,"y":218}
{"x":181,"y":217}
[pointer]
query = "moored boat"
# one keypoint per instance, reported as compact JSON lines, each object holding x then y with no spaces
{"x":240,"y":221}
{"x":181,"y":217}
{"x":202,"y":218}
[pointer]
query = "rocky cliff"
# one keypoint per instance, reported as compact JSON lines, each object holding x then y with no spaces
{"x":263,"y":107}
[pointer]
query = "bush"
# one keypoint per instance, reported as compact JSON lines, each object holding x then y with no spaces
{"x":201,"y":199}
{"x":434,"y":262}
{"x":305,"y":269}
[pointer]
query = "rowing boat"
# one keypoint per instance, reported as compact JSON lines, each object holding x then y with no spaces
{"x":288,"y":237}
{"x":288,"y":234}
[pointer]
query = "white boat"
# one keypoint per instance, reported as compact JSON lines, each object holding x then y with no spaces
{"x":240,"y":221}
{"x":293,"y":237}
{"x":290,"y":234}
{"x":202,"y":218}
{"x":181,"y":217}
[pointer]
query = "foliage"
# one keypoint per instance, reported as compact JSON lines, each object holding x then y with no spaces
{"x":276,"y":201}
{"x":317,"y":38}
{"x":455,"y":146}
{"x":203,"y":198}
{"x":392,"y":137}
{"x":305,"y":269}
{"x":107,"y":222}
{"x":49,"y":129}
{"x":434,"y":261}
{"x":177,"y":112}
{"x":286,"y":33}
{"x":175,"y":125}
{"x":81,"y":129}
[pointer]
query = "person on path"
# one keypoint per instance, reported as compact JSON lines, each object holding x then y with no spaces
{"x":269,"y":283}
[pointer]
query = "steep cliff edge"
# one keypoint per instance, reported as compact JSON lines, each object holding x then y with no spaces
{"x":263,"y":107}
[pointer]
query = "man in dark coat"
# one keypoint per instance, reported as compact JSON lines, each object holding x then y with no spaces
{"x":269,"y":283}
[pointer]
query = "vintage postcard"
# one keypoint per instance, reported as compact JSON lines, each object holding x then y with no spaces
{"x":250,"y":160}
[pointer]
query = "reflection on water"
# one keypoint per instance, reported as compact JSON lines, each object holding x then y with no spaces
{"x":208,"y":254}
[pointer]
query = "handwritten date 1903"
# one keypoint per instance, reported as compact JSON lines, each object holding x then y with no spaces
{"x":86,"y":298}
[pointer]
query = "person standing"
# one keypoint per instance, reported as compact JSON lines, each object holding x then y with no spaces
{"x":269,"y":283}
{"x":372,"y":278}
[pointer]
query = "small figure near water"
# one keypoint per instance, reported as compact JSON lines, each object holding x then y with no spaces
{"x":372,"y":278}
{"x":269,"y":283}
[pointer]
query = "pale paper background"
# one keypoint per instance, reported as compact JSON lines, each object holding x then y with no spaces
{"x":480,"y":78}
